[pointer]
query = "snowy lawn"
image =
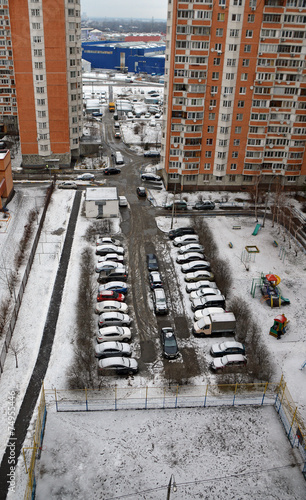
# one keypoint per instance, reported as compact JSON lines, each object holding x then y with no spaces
{"x":218,"y":453}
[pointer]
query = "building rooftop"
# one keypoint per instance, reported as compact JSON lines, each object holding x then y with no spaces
{"x":98,"y":194}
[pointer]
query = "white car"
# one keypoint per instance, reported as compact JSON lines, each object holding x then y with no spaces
{"x":192,"y":287}
{"x":111,"y":305}
{"x":118,"y":365}
{"x":189,"y":257}
{"x":196,"y":265}
{"x":120,"y":333}
{"x":228,"y":361}
{"x":225,"y":348}
{"x":86,"y":177}
{"x":105,"y":240}
{"x":206,"y":312}
{"x":199,"y":276}
{"x":203,"y":292}
{"x":108,"y":265}
{"x":111,"y":256}
{"x":123,"y":201}
{"x":185,"y":239}
{"x":68,"y":185}
{"x":114,"y":318}
{"x":113,"y":285}
{"x":108,"y":248}
{"x":111,"y":349}
{"x":191,"y":247}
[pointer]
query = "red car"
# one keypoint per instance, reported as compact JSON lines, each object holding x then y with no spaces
{"x":110,"y":295}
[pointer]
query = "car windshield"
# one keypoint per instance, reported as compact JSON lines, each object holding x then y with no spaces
{"x":170,"y":341}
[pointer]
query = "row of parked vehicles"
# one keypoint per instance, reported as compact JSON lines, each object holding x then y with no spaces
{"x":207,"y":301}
{"x":112,"y":350}
{"x":168,"y":338}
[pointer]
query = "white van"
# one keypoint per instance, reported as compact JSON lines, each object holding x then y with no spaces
{"x":119,"y":158}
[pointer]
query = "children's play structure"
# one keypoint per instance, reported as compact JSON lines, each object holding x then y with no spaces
{"x":279,"y":327}
{"x":257,"y":227}
{"x":271,"y":293}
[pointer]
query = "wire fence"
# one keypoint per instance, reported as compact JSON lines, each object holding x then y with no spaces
{"x":33,"y":452}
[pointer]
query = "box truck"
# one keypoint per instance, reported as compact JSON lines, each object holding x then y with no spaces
{"x":215,"y":324}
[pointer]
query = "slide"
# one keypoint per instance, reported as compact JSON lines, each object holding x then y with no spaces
{"x":284,"y":300}
{"x":258,"y":226}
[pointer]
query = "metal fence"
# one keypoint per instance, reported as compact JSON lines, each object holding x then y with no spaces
{"x":32,"y":453}
{"x":18,"y":298}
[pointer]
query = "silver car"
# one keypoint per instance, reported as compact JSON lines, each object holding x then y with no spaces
{"x":107,"y":240}
{"x":110,"y":306}
{"x":191,"y":247}
{"x":189,"y":257}
{"x":111,"y":349}
{"x":185,"y":239}
{"x":192,"y":287}
{"x":203,"y":292}
{"x":118,"y":333}
{"x":111,"y":256}
{"x":108,"y":248}
{"x":108,"y":265}
{"x":118,"y":365}
{"x":114,"y":319}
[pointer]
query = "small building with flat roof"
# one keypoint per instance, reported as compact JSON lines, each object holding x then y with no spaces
{"x":101,"y":202}
{"x":6,"y":178}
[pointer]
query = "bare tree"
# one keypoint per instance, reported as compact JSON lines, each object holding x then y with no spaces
{"x":16,"y":349}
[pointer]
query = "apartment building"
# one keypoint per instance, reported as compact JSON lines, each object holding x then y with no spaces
{"x":235,"y":94}
{"x":41,"y":79}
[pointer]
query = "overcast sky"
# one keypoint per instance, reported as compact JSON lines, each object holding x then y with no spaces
{"x":125,"y":8}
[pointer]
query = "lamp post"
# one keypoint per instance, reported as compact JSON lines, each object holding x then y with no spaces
{"x":174,"y":488}
{"x":266,"y":203}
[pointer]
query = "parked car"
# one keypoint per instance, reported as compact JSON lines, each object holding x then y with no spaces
{"x":204,"y":205}
{"x":150,"y":177}
{"x":107,"y":248}
{"x":169,"y":343}
{"x":109,"y":333}
{"x":155,"y":280}
{"x":159,"y":301}
{"x":117,"y":135}
{"x":68,"y":185}
{"x":208,"y":301}
{"x":111,"y":256}
{"x":111,"y":349}
{"x":180,"y":231}
{"x":228,"y":361}
{"x":178,"y":205}
{"x":118,"y":286}
{"x":110,"y":295}
{"x":118,"y":365}
{"x":152,"y":263}
{"x":119,"y":273}
{"x":108,"y":265}
{"x":203,"y":292}
{"x":199,"y":276}
{"x":225,"y":348}
{"x":86,"y":177}
{"x":107,"y":240}
{"x":151,"y":154}
{"x":111,"y":171}
{"x":111,"y":305}
{"x":197,"y":265}
{"x":192,"y":287}
{"x":185,"y":240}
{"x":141,"y":192}
{"x":123,"y":201}
{"x":114,"y":318}
{"x":189,"y":257}
{"x":191,"y":247}
{"x":207,"y":312}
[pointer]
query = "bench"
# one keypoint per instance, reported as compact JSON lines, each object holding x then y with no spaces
{"x":236,"y":227}
{"x":275,"y":244}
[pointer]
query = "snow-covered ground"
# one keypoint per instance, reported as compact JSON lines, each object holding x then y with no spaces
{"x":287,"y":356}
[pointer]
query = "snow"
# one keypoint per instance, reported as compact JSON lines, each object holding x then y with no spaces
{"x":140,"y":450}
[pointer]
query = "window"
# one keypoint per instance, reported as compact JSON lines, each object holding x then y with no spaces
{"x":41,"y":102}
{"x":213,"y":103}
{"x":251,"y":18}
{"x":236,"y":17}
{"x":231,"y":62}
{"x":217,"y":61}
{"x":218,"y":47}
{"x":227,"y":104}
{"x":38,"y":65}
{"x":247,"y":48}
{"x":207,"y":166}
{"x":223,"y":142}
{"x":215,"y":75}
{"x":207,"y":154}
{"x":240,"y":104}
{"x":209,"y":142}
{"x":232,"y":47}
{"x":234,"y":33}
{"x":37,"y":52}
{"x":210,"y":129}
{"x":249,"y":34}
{"x":224,"y":130}
{"x":36,"y":26}
{"x":235,"y":154}
{"x":245,"y":63}
{"x":233,"y":166}
{"x":219,"y":32}
{"x":239,"y":117}
{"x":244,"y":77}
{"x":40,"y":90}
{"x":237,"y":130}
{"x":242,"y":90}
{"x":221,"y":155}
{"x":236,"y":142}
{"x":221,"y":16}
{"x":232,"y":178}
{"x":37,"y":39}
{"x":230,"y":76}
{"x":35,"y":12}
{"x":214,"y":89}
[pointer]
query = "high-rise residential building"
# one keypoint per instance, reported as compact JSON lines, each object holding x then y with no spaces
{"x":235,"y":93}
{"x":41,"y":78}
